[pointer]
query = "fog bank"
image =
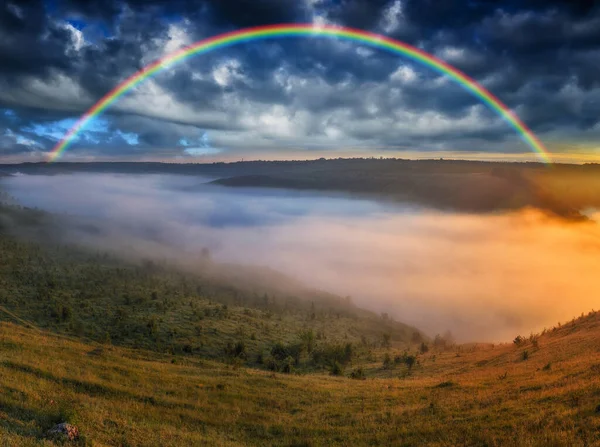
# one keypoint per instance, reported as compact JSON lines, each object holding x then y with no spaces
{"x":484,"y":277}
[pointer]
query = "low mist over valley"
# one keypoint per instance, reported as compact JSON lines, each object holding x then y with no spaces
{"x":481,"y":275}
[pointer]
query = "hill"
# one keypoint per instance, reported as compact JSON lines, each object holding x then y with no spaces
{"x":460,"y":185}
{"x":466,"y":395}
{"x":207,"y":309}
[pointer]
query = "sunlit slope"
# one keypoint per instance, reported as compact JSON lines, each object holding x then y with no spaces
{"x":465,"y":396}
{"x":197,"y":310}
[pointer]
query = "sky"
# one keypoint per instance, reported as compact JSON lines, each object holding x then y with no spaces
{"x":302,"y":97}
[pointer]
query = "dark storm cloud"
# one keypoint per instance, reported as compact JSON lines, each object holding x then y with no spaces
{"x":226,"y":13}
{"x":29,"y":43}
{"x":58,"y":58}
{"x":355,"y":13}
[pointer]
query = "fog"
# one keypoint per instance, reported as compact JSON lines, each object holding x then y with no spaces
{"x":483,"y":277}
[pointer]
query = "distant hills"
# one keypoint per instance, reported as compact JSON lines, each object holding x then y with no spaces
{"x":467,"y":186}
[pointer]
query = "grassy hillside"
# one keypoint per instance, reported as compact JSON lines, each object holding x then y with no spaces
{"x":478,"y":395}
{"x":249,"y":316}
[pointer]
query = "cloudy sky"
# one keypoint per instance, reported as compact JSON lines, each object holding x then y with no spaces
{"x":297,"y":97}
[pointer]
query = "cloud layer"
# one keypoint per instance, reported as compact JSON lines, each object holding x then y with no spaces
{"x":58,"y":58}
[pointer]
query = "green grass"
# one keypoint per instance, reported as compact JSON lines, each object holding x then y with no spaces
{"x":120,"y":396}
{"x":157,"y":306}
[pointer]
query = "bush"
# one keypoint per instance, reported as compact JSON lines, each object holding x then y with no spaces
{"x":385,"y":339}
{"x":387,"y":361}
{"x":281,"y":352}
{"x":525,"y":355}
{"x":336,"y":369}
{"x":287,"y":366}
{"x":358,"y":374}
{"x":424,"y":348}
{"x":307,"y":338}
{"x":237,"y":350}
{"x":328,"y":354}
{"x":410,"y":361}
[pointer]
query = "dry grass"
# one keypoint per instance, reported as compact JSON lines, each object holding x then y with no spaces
{"x":472,"y":395}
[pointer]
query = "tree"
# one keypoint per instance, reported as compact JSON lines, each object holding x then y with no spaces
{"x":410,"y":361}
{"x":152,"y":326}
{"x":387,"y":361}
{"x":237,"y":350}
{"x":66,"y":313}
{"x":449,"y":338}
{"x":416,"y":337}
{"x":308,"y":339}
{"x":385,"y":339}
{"x":358,"y":374}
{"x":287,"y":365}
{"x":336,"y":369}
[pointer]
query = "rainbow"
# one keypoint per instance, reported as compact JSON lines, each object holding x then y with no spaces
{"x":304,"y":30}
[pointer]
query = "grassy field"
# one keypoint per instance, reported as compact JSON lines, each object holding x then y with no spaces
{"x":467,"y":395}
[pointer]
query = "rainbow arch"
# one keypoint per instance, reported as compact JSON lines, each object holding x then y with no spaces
{"x":304,"y":30}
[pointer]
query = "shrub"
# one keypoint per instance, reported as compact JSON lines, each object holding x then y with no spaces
{"x":66,"y":313}
{"x":358,"y":374}
{"x":387,"y":361}
{"x":424,"y":348}
{"x":416,"y":337}
{"x":336,"y":369}
{"x":385,"y":339}
{"x":287,"y":366}
{"x":308,"y":340}
{"x":525,"y":355}
{"x":281,"y":352}
{"x":152,"y":326}
{"x":328,"y":354}
{"x":410,"y":361}
{"x":237,"y":350}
